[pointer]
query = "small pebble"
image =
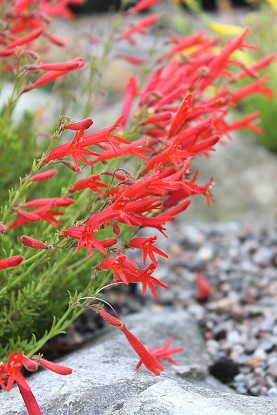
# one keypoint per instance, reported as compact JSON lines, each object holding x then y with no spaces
{"x":272,"y":370}
{"x":260,"y":354}
{"x":272,"y":393}
{"x":252,"y":362}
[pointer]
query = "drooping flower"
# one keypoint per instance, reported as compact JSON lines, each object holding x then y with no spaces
{"x":149,"y":360}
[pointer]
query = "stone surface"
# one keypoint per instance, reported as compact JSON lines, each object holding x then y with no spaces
{"x":105,"y":381}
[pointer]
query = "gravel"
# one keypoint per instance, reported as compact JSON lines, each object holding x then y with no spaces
{"x":239,"y":319}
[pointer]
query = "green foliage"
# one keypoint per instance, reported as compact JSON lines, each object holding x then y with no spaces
{"x":266,"y":40}
{"x":17,"y":156}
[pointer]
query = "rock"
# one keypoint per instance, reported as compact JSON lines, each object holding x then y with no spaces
{"x":224,"y":369}
{"x":221,"y":305}
{"x":272,"y":393}
{"x":195,"y":372}
{"x":105,"y":381}
{"x":260,"y":354}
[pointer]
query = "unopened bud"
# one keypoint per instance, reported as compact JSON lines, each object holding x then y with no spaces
{"x":2,"y":228}
{"x":11,"y":262}
{"x":77,"y":126}
{"x":33,"y":243}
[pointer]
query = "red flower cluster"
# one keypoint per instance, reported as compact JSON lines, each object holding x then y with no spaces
{"x":25,"y":22}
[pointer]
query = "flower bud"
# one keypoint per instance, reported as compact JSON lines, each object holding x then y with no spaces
{"x":33,"y":243}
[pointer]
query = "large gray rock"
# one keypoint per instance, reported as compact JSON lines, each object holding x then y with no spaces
{"x":105,"y":381}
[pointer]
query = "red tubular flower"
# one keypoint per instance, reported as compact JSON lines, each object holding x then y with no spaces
{"x":123,"y":268}
{"x":80,"y":125}
{"x":11,"y":262}
{"x":54,"y":201}
{"x":33,"y":243}
{"x":42,"y":176}
{"x":203,"y":287}
{"x":144,"y":276}
{"x":146,"y":245}
{"x":244,"y":122}
{"x":130,"y":93}
{"x":104,"y":135}
{"x":59,"y":8}
{"x":89,"y":183}
{"x":135,"y":148}
{"x":164,"y":352}
{"x":180,"y":116}
{"x":142,"y":5}
{"x":256,"y":87}
{"x":131,"y":59}
{"x":86,"y":239}
{"x":52,"y":75}
{"x":262,"y":63}
{"x":183,"y":43}
{"x":60,"y":66}
{"x":43,"y":213}
{"x":6,"y":52}
{"x":25,"y":39}
{"x":74,"y":149}
{"x":55,"y":40}
{"x":54,"y":367}
{"x":149,"y":360}
{"x":220,"y":61}
{"x":113,"y":321}
{"x":158,"y":118}
{"x":138,"y":27}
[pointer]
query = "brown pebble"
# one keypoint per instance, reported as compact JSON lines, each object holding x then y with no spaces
{"x":208,"y":335}
{"x":252,"y":362}
{"x":175,"y":250}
